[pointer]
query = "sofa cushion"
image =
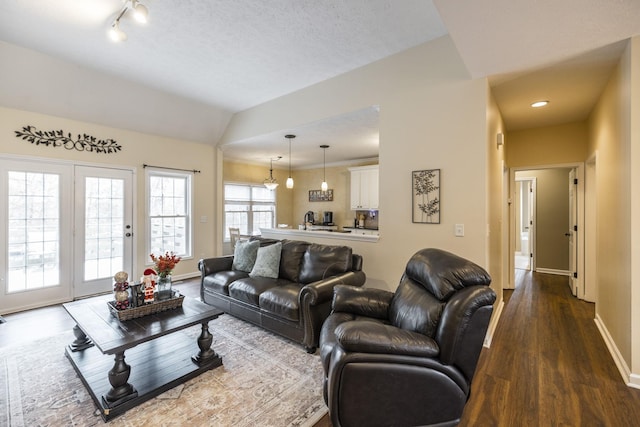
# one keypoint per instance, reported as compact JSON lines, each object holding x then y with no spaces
{"x":244,"y":255}
{"x":282,"y":300}
{"x":267,"y":261}
{"x":322,"y":261}
{"x":291,"y":258}
{"x":248,"y":290}
{"x":219,"y":282}
{"x":414,"y":309}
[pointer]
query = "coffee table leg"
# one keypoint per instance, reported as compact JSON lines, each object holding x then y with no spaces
{"x":206,"y":355}
{"x":81,"y":342}
{"x":121,"y":390}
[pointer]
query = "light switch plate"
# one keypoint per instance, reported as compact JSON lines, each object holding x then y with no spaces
{"x":459,"y":232}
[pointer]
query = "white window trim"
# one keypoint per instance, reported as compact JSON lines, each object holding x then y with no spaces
{"x":224,"y":204}
{"x":190,"y":223}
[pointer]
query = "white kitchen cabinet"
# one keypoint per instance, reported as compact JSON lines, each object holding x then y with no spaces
{"x":364,"y":231}
{"x":364,"y":187}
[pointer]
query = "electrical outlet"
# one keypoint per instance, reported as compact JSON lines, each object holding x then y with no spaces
{"x":459,"y":232}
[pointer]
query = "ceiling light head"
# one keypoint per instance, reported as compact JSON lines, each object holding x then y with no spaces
{"x":324,"y":185}
{"x":271,"y":183}
{"x":116,"y":34}
{"x":140,"y":12}
{"x":539,"y":104}
{"x":289,"y":180}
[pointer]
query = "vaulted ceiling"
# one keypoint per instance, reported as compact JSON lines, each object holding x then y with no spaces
{"x":197,"y":62}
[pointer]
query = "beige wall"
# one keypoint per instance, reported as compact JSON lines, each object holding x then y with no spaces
{"x":565,"y":143}
{"x":249,"y":173}
{"x":610,"y":139}
{"x":497,"y":187}
{"x":137,"y":149}
{"x":424,"y":95}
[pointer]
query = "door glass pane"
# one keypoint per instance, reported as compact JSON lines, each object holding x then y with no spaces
{"x":33,"y":231}
{"x":104,"y":234}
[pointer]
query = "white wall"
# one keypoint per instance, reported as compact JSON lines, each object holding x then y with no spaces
{"x":432,"y":116}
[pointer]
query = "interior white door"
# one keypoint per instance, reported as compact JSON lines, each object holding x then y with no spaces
{"x":35,"y":239}
{"x":103,"y":228}
{"x":572,"y":234}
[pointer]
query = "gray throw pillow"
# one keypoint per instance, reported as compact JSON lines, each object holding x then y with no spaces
{"x":244,"y":256}
{"x":267,"y":262}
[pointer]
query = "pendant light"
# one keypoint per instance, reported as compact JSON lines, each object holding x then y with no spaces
{"x":324,"y":185}
{"x":289,"y":180}
{"x":271,"y":183}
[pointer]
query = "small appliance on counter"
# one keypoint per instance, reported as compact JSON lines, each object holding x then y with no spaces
{"x":328,"y":218}
{"x":308,"y":219}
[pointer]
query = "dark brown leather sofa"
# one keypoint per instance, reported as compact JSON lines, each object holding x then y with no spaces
{"x":407,"y":358}
{"x":296,"y":303}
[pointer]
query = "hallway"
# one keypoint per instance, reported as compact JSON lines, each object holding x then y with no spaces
{"x":548,"y":365}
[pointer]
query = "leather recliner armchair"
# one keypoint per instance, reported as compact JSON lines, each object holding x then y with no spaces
{"x":407,"y":358}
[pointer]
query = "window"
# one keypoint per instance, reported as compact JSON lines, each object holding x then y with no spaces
{"x":248,"y":207}
{"x":169,"y":213}
{"x":33,"y":230}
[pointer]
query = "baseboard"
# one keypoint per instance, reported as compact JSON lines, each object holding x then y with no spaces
{"x":553,"y":271}
{"x":493,"y":324}
{"x":631,"y":380}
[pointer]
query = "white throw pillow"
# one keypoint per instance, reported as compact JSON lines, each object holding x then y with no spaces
{"x":244,"y":255}
{"x":267,"y":262}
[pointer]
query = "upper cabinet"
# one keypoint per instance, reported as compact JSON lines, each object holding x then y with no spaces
{"x":364,"y":187}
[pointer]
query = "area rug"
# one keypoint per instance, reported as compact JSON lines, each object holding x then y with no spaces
{"x":265,"y":380}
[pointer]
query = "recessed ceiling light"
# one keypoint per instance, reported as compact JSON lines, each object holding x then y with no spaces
{"x":539,"y":104}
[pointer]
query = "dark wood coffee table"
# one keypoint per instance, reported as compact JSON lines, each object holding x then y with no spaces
{"x":157,"y":358}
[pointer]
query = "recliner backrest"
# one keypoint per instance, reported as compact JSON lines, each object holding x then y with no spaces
{"x":431,"y":277}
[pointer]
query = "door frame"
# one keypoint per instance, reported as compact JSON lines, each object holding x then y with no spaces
{"x":81,"y":287}
{"x":62,"y":292}
{"x":532,"y":217}
{"x":71,"y":165}
{"x":580,"y":174}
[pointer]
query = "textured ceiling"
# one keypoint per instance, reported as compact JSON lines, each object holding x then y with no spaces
{"x":197,"y":62}
{"x":232,"y":54}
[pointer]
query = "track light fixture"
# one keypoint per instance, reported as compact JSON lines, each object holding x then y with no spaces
{"x":140,"y":13}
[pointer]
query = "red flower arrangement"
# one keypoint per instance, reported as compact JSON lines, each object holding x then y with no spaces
{"x":165,"y":263}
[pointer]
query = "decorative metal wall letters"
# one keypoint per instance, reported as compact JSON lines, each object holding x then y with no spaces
{"x":57,"y":138}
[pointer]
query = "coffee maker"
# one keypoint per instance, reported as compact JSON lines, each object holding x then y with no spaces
{"x":328,"y":218}
{"x":308,"y":218}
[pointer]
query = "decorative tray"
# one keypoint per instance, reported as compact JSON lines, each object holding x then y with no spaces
{"x":146,"y":309}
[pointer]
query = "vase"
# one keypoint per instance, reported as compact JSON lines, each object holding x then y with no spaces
{"x":164,"y":288}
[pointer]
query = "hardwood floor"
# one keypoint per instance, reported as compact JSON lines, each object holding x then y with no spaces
{"x":547,"y":365}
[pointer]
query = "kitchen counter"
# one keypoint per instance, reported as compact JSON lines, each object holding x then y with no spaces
{"x":279,"y":233}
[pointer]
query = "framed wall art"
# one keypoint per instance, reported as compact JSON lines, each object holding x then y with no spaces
{"x":425,"y":188}
{"x":321,"y":196}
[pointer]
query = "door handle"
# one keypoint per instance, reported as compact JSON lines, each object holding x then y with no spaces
{"x":567,"y":234}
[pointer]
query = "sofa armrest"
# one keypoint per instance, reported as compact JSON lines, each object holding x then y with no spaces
{"x":368,"y":302}
{"x":212,"y":265}
{"x":363,"y":336}
{"x":321,"y":291}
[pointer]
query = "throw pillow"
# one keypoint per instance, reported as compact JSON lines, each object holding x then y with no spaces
{"x":267,"y":262}
{"x":244,"y":255}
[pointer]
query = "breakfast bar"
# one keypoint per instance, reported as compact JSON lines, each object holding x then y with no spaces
{"x":288,"y":233}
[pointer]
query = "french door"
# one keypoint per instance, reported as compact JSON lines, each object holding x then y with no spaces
{"x":58,"y":242}
{"x":103,"y":228}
